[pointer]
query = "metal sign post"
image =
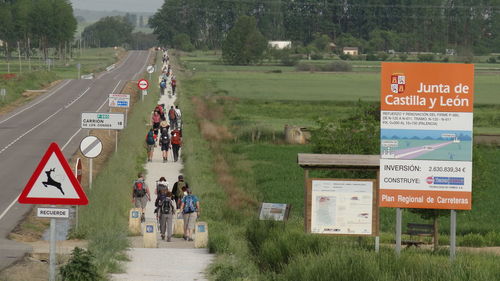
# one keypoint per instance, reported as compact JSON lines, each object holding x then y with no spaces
{"x":52,"y":251}
{"x":78,"y":66}
{"x":3,"y":93}
{"x":399,"y":218}
{"x":90,"y":147}
{"x":453,"y":234}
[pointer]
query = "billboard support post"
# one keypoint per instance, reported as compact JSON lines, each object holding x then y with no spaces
{"x":399,"y":218}
{"x":453,"y":234}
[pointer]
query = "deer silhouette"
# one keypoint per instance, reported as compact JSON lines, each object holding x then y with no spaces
{"x":51,"y":181}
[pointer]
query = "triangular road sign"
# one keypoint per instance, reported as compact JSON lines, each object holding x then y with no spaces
{"x":53,"y":182}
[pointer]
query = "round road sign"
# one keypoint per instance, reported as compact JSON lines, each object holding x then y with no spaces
{"x":150,"y":69}
{"x":143,"y":84}
{"x":91,"y":147}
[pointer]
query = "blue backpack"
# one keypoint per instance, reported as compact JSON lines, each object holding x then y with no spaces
{"x":189,"y":206}
{"x":163,"y":85}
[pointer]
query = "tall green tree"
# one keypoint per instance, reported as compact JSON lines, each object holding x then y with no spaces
{"x":244,"y":43}
{"x":108,"y":32}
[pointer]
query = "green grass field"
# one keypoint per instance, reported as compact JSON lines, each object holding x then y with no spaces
{"x":266,"y":171}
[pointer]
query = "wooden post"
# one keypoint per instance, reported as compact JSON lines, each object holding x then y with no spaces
{"x":306,"y":210}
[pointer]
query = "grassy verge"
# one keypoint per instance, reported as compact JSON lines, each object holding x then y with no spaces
{"x":104,"y":221}
{"x":92,"y":61}
{"x":231,"y":174}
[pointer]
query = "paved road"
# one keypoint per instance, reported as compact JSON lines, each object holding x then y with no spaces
{"x":26,"y":133}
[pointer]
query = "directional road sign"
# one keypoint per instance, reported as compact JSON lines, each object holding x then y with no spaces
{"x":119,"y":100}
{"x":150,"y":69}
{"x":53,"y":182}
{"x":91,"y":147}
{"x":105,"y":121}
{"x":143,"y":84}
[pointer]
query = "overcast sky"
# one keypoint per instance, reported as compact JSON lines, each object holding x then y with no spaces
{"x":119,"y":5}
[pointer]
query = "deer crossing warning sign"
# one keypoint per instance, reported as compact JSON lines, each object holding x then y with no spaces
{"x":53,"y":182}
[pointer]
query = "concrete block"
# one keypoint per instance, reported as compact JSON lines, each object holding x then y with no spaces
{"x":149,"y":235}
{"x":178,"y":225}
{"x":134,"y":221}
{"x":201,"y":235}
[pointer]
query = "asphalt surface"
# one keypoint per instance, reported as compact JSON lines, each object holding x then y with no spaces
{"x":26,"y":133}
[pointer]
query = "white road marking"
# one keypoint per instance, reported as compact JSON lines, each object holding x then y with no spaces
{"x":142,"y":68}
{"x":29,"y":131}
{"x":46,"y":97}
{"x":77,"y":98}
{"x":8,"y":208}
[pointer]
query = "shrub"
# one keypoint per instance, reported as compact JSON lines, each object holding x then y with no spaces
{"x":382,"y":56}
{"x":289,"y":60}
{"x":426,"y":57}
{"x":316,"y":56}
{"x":304,"y":66}
{"x":80,"y":267}
{"x":345,"y":56}
{"x":403,"y":57}
{"x":472,"y":240}
{"x":492,"y":60}
{"x":183,"y":42}
{"x":371,"y":57}
{"x":446,"y":59}
{"x":340,"y":66}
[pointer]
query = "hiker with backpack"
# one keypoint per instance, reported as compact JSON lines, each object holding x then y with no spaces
{"x":190,"y":208}
{"x":178,"y":116}
{"x":172,"y":117}
{"x":150,"y":144}
{"x":173,"y":83}
{"x":163,"y":86}
{"x":165,"y":211}
{"x":156,"y":119}
{"x":140,"y":194}
{"x":178,"y":191}
{"x":161,"y":184}
{"x":164,"y":141}
{"x":176,"y":142}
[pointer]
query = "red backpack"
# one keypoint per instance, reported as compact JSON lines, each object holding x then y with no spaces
{"x":176,"y":139}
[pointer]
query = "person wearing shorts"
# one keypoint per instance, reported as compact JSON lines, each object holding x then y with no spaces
{"x":140,"y":199}
{"x":189,"y":216}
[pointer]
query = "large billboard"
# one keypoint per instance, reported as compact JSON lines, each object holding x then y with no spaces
{"x":426,"y":135}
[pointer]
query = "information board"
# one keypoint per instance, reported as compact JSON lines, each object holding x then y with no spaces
{"x":274,"y":211}
{"x":426,"y":135}
{"x":107,"y":121}
{"x":342,"y":206}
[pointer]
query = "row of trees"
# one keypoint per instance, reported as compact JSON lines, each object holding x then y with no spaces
{"x":116,"y":31}
{"x":41,"y":24}
{"x":374,"y":25}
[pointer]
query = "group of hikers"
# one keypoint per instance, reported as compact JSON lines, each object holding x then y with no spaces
{"x":168,"y":203}
{"x":168,"y":136}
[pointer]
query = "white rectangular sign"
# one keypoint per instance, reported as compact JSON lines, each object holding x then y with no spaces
{"x":105,"y":121}
{"x":119,"y":100}
{"x":342,"y":207}
{"x":59,"y":213}
{"x":273,"y":211}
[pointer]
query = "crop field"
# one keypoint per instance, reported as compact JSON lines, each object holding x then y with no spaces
{"x":256,"y":104}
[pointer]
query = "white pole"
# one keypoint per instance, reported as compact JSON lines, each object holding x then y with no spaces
{"x":52,"y":251}
{"x":399,"y":214}
{"x":19,"y":55}
{"x":453,"y":234}
{"x":377,"y":244}
{"x":116,"y":141}
{"x":90,"y":173}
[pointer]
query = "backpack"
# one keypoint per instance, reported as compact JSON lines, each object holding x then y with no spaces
{"x":189,"y":206}
{"x":160,"y":187}
{"x":178,"y":192}
{"x":139,"y":190}
{"x":163,"y":85}
{"x":171,"y":114}
{"x":164,"y":139}
{"x":176,"y":139}
{"x":173,"y":82}
{"x":166,"y":206}
{"x":150,"y":138}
